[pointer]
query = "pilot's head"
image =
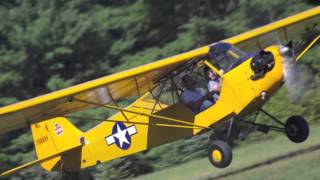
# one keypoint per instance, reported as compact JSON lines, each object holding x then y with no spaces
{"x":212,"y":75}
{"x":188,"y":81}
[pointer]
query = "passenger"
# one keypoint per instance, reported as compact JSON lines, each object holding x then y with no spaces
{"x":198,"y":99}
{"x":214,"y":84}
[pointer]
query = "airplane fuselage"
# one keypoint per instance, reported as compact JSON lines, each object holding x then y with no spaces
{"x":242,"y":93}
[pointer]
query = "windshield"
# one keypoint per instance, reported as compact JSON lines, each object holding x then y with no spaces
{"x":225,"y":56}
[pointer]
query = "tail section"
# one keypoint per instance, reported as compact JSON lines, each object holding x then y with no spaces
{"x":52,"y":138}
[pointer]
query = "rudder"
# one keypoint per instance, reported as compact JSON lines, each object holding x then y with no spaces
{"x":53,"y":137}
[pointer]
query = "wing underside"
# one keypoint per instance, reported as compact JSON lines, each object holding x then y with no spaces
{"x":116,"y":87}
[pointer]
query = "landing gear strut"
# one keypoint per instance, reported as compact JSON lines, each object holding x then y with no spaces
{"x":219,"y":150}
{"x":296,"y":128}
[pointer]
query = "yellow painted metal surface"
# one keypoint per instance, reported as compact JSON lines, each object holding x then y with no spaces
{"x":97,"y":149}
{"x":239,"y":92}
{"x":52,"y":137}
{"x":217,"y":112}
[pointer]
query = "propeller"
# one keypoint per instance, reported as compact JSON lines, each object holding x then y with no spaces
{"x":292,"y":72}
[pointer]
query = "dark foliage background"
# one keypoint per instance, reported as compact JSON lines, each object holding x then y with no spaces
{"x":49,"y":45}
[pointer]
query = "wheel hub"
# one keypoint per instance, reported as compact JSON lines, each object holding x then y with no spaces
{"x":216,"y":155}
{"x":292,"y":130}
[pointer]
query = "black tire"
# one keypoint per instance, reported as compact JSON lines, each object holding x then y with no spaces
{"x":224,"y":157}
{"x":297,"y":129}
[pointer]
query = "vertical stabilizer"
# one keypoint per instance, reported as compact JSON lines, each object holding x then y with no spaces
{"x":54,"y":137}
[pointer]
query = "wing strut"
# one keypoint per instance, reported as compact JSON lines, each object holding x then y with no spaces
{"x":153,"y":96}
{"x":157,"y":98}
{"x":115,"y":102}
{"x":308,"y":47}
{"x":140,"y":113}
{"x":131,"y":122}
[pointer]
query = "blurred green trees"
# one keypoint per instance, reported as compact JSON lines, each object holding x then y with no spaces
{"x":49,"y":45}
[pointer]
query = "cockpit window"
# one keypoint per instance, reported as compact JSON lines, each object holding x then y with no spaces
{"x":225,"y":56}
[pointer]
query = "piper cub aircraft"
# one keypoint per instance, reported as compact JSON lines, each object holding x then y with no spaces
{"x":248,"y":68}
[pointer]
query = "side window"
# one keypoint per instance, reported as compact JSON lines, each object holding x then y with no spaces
{"x":225,"y":56}
{"x":221,"y":61}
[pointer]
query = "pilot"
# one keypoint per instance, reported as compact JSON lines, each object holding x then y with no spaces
{"x":214,"y":84}
{"x":198,"y":99}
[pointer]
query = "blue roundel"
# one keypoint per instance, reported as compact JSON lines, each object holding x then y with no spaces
{"x":121,"y":136}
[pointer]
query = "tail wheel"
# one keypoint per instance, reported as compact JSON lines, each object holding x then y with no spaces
{"x":297,"y":129}
{"x":220,"y":154}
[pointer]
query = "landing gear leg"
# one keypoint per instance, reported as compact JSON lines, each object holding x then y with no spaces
{"x":296,"y":127}
{"x":219,"y":151}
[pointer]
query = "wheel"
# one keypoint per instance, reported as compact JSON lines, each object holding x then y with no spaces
{"x":220,"y":154}
{"x":297,"y":129}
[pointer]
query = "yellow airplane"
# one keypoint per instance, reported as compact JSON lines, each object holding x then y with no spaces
{"x":158,"y":115}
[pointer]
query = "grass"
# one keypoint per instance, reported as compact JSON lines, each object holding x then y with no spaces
{"x":305,"y":166}
{"x":298,"y":167}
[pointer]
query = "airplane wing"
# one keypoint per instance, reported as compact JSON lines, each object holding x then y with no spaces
{"x":282,"y":31}
{"x":139,"y":80}
{"x":119,"y":86}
